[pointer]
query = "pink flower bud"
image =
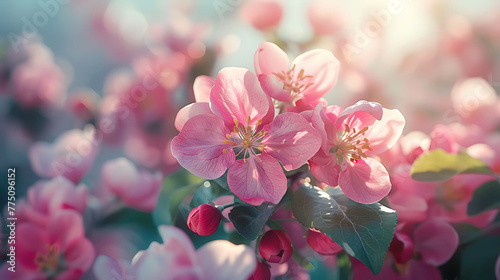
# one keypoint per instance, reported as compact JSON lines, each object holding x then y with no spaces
{"x":401,"y":248}
{"x":322,"y":244}
{"x":204,"y":219}
{"x":262,"y":272}
{"x":275,"y":246}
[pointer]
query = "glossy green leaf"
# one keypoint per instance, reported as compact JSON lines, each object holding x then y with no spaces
{"x":249,"y":221}
{"x":208,"y":192}
{"x":467,"y":232}
{"x":363,"y":230}
{"x":438,"y":165}
{"x":486,"y":197}
{"x":222,"y":181}
{"x":478,"y":258}
{"x":175,"y":189}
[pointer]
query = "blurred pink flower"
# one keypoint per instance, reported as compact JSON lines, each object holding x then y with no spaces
{"x":476,"y":102}
{"x":310,"y":76}
{"x":59,"y":250}
{"x":326,"y":17}
{"x":321,"y":243}
{"x":218,"y":259}
{"x":348,"y":137}
{"x":71,"y":155}
{"x":47,"y":197}
{"x":38,"y":83}
{"x":138,"y":189}
{"x":243,"y":119}
{"x":262,"y":14}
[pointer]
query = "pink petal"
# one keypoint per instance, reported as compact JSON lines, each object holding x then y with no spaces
{"x":269,"y":59}
{"x":419,"y":269}
{"x":323,"y":68}
{"x":325,"y":168}
{"x":119,"y":176}
{"x":436,"y":241}
{"x":260,"y":179}
{"x":79,"y":254}
{"x":291,"y":140}
{"x":201,"y":88}
{"x":383,"y":134}
{"x":442,"y":137}
{"x":31,"y":240}
{"x":372,"y":108}
{"x":189,"y":111}
{"x":401,"y":247}
{"x":411,"y":208}
{"x":221,"y":259}
{"x":199,"y":147}
{"x":365,"y":181}
{"x":325,"y":126}
{"x":273,"y":87}
{"x":237,"y":95}
{"x":65,"y":227}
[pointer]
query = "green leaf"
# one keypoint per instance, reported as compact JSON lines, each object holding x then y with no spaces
{"x":486,"y":197}
{"x":175,"y":189}
{"x":467,"y":232}
{"x":208,"y":192}
{"x":364,"y":231}
{"x":222,"y":181}
{"x":438,"y":165}
{"x":478,"y":259}
{"x":249,"y":221}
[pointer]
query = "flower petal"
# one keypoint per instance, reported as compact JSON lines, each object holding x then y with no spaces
{"x":291,"y":140}
{"x":221,"y":259}
{"x":325,"y":168}
{"x":201,"y":88}
{"x":79,"y":254}
{"x":189,"y":111}
{"x":383,"y":134}
{"x":365,"y":180}
{"x":436,"y":241}
{"x":269,"y":59}
{"x":237,"y":95}
{"x":259,"y":179}
{"x":66,"y":226}
{"x":274,"y":88}
{"x":323,"y":68}
{"x":199,"y":147}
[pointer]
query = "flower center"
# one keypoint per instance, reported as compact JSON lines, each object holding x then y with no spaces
{"x":352,"y":144}
{"x":49,"y":261}
{"x":246,"y":138}
{"x":293,"y":83}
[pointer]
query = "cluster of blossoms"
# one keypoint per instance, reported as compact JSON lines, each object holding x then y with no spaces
{"x":233,"y":127}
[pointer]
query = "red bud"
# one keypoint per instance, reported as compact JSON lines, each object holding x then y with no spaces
{"x":204,"y":219}
{"x":275,"y":246}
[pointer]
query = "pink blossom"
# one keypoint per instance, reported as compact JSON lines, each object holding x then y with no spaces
{"x":326,"y":17}
{"x":201,"y":89}
{"x":71,"y":155}
{"x":59,"y":250}
{"x":48,"y":197}
{"x":310,"y":76}
{"x":242,"y":124}
{"x":218,"y":259}
{"x":476,"y":103}
{"x":262,"y":14}
{"x":348,"y":137}
{"x":138,"y":189}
